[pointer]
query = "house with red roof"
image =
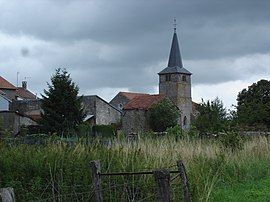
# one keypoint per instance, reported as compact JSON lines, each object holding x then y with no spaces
{"x":8,"y":89}
{"x":15,"y":93}
{"x":11,"y":96}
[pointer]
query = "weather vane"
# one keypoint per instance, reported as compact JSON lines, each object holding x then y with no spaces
{"x":174,"y":24}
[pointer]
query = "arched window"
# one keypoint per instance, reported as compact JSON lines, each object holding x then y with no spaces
{"x":184,"y":78}
{"x":168,"y":77}
{"x":120,"y":106}
{"x":185,"y":121}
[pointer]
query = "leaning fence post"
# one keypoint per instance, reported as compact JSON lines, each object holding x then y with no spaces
{"x":184,"y":179}
{"x":95,"y":167}
{"x":7,"y":194}
{"x":162,"y":178}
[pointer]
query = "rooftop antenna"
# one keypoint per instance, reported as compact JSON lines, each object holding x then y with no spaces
{"x":18,"y":79}
{"x":27,"y":77}
{"x":174,"y":24}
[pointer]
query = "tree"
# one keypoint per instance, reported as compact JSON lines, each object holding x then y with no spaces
{"x":62,"y":109}
{"x":253,"y":105}
{"x":163,"y":115}
{"x":212,"y":117}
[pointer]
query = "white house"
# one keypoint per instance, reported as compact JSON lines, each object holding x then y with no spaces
{"x":4,"y":102}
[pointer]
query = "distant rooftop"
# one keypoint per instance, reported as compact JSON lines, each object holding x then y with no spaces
{"x":131,"y":95}
{"x":25,"y":94}
{"x":4,"y":84}
{"x":2,"y":93}
{"x":143,"y":102}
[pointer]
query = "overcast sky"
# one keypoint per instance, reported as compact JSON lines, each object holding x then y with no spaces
{"x":121,"y":45}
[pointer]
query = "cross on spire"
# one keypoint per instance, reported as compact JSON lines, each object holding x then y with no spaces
{"x":174,"y":24}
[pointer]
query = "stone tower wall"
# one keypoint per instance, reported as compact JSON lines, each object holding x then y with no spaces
{"x":178,"y":90}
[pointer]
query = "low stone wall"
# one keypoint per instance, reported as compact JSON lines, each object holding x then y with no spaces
{"x":12,"y":121}
{"x":255,"y":133}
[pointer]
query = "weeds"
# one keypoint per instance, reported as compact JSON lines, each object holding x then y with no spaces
{"x":59,"y":168}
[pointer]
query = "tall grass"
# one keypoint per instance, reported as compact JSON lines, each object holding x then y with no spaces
{"x":51,"y":170}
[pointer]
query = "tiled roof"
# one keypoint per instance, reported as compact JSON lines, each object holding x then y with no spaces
{"x":175,"y":69}
{"x":4,"y":84}
{"x":25,"y":94}
{"x":2,"y":93}
{"x":130,"y":95}
{"x":143,"y":101}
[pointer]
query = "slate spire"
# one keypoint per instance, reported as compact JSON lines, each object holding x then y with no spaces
{"x":175,"y":59}
{"x":175,"y":64}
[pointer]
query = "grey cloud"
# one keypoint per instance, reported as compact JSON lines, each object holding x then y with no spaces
{"x":24,"y":51}
{"x":124,"y":43}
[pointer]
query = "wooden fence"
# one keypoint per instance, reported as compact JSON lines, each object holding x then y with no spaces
{"x":7,"y":194}
{"x":161,"y":176}
{"x":162,"y":179}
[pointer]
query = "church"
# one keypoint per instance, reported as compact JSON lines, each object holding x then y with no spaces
{"x":174,"y":84}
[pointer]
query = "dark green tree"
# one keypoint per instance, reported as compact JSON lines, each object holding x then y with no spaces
{"x":212,"y":117}
{"x":253,"y":105}
{"x":163,"y":115}
{"x":62,"y":109}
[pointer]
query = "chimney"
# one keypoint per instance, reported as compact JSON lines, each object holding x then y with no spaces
{"x":24,"y":84}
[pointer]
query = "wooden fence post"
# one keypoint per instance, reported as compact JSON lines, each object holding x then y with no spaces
{"x":95,"y":167}
{"x":7,"y":194}
{"x":162,"y":178}
{"x":184,"y":179}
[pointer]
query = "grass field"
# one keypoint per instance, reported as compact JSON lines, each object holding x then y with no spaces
{"x":215,"y":173}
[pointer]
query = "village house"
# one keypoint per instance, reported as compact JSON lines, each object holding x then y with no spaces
{"x":12,"y":92}
{"x":11,"y":118}
{"x":99,"y":111}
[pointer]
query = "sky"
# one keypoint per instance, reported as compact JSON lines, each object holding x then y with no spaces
{"x":120,"y":45}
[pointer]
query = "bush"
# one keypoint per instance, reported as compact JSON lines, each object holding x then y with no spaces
{"x":175,"y":132}
{"x":231,"y":140}
{"x":193,"y":132}
{"x":163,"y":115}
{"x":104,"y":130}
{"x":1,"y":124}
{"x":85,"y":129}
{"x":212,"y":117}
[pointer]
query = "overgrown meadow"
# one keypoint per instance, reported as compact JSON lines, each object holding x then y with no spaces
{"x":60,"y":171}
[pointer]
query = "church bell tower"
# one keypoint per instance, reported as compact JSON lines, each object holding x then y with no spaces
{"x":175,"y":83}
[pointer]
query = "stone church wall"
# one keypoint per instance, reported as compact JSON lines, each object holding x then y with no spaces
{"x":135,"y":121}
